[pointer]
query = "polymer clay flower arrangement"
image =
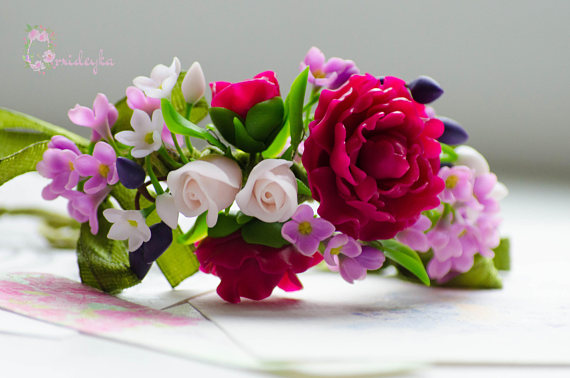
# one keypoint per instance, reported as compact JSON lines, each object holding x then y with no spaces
{"x":392,"y":182}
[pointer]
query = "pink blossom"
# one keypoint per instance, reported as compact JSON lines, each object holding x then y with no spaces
{"x":38,"y":66}
{"x":305,"y":231}
{"x":83,"y":207}
{"x":331,"y":74}
{"x":100,"y":119}
{"x":33,"y":34}
{"x":414,"y":236}
{"x":101,"y":167}
{"x":48,"y":56}
{"x":43,"y":36}
{"x":58,"y":164}
{"x":458,"y":184}
{"x":136,"y":99}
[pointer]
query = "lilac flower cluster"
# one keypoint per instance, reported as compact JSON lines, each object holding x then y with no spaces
{"x":468,"y":222}
{"x":342,"y":253}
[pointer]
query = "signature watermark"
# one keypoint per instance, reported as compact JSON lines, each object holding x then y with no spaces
{"x":39,"y":53}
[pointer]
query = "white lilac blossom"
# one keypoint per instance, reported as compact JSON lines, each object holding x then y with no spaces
{"x":209,"y":185}
{"x":146,"y":137}
{"x":161,"y":81}
{"x":194,"y":84}
{"x":127,"y":225}
{"x":270,"y":193}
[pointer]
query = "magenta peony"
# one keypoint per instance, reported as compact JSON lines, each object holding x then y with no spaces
{"x":372,"y":157}
{"x":252,"y":270}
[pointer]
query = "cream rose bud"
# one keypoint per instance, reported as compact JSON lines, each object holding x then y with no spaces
{"x":209,"y":184}
{"x":270,"y":193}
{"x":194,"y":84}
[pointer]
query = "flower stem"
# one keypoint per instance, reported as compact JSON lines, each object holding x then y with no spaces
{"x":180,"y":152}
{"x":173,"y":163}
{"x":152,"y":176}
{"x":148,"y":210}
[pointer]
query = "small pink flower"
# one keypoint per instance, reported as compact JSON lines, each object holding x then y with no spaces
{"x":101,"y":167}
{"x":33,"y":34}
{"x":37,"y":66}
{"x":83,"y":207}
{"x":414,"y":236}
{"x":58,"y":164}
{"x":136,"y":99}
{"x":458,"y":184}
{"x":43,"y":36}
{"x":100,"y":119}
{"x":305,"y":231}
{"x":48,"y":56}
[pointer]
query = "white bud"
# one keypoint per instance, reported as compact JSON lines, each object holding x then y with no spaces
{"x":194,"y":84}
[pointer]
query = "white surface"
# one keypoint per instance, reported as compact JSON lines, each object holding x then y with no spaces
{"x":522,"y":330}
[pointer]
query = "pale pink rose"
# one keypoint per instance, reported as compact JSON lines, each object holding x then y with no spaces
{"x":48,"y":56}
{"x":270,"y":193}
{"x":210,"y":184}
{"x":43,"y":36}
{"x":33,"y":34}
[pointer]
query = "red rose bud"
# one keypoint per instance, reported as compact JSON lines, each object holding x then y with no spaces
{"x":251,"y":270}
{"x":137,"y":263}
{"x":248,"y":114}
{"x":453,"y":133}
{"x":160,"y":240}
{"x":131,"y":175}
{"x":425,"y":90}
{"x":372,"y":158}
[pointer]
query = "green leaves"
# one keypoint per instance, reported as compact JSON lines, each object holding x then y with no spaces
{"x":303,"y":189}
{"x":12,"y":141}
{"x":448,"y":154}
{"x":264,"y":118}
{"x":178,"y":262}
{"x":16,"y":121}
{"x":22,"y":161}
{"x":258,"y":232}
{"x":483,"y":275}
{"x":227,"y":224}
{"x":198,"y":231}
{"x":294,"y":103}
{"x":405,"y":257}
{"x":180,"y":125}
{"x":103,"y":263}
{"x":502,"y":259}
{"x":243,"y":140}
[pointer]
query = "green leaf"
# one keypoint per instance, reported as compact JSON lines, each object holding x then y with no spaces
{"x":199,"y":111}
{"x":177,"y":97}
{"x":294,"y":103}
{"x":103,"y":262}
{"x":12,"y":141}
{"x":180,"y":125}
{"x":405,"y":257}
{"x":22,"y":161}
{"x":502,"y":259}
{"x":198,"y":231}
{"x":448,"y":154}
{"x":241,"y":218}
{"x":13,"y":120}
{"x":244,"y":141}
{"x":258,"y":232}
{"x":124,"y":120}
{"x":303,"y":189}
{"x":223,"y":119}
{"x":278,"y":143}
{"x":483,"y":275}
{"x":264,"y":118}
{"x":227,"y":224}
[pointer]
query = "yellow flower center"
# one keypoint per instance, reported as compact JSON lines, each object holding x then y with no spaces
{"x":305,"y":228}
{"x":336,"y":251}
{"x":71,"y":167}
{"x":103,"y":170}
{"x":319,"y":74}
{"x":451,"y":182}
{"x":148,"y":138}
{"x":133,"y":223}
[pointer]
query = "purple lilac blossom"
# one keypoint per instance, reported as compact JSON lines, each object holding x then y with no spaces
{"x":331,"y":74}
{"x":305,"y":231}
{"x":83,"y":207}
{"x":101,"y":167}
{"x":58,"y":164}
{"x":100,"y":119}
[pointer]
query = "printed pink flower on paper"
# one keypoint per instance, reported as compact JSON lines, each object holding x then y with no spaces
{"x":83,"y":207}
{"x":101,"y":167}
{"x":43,"y":36}
{"x":48,"y":56}
{"x":33,"y":34}
{"x":100,"y":119}
{"x":38,"y":66}
{"x":58,"y":164}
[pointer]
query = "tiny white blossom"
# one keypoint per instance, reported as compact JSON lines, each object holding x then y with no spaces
{"x":146,"y":136}
{"x":127,"y":225}
{"x":194,"y":84}
{"x":167,"y":210}
{"x":161,"y":81}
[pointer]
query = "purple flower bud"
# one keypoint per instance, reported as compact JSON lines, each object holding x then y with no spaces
{"x":453,"y":133}
{"x":425,"y":90}
{"x":130,"y":173}
{"x":160,"y":240}
{"x":138,"y":265}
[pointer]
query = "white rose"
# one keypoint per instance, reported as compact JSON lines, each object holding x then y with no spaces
{"x":210,"y":184}
{"x":270,"y":193}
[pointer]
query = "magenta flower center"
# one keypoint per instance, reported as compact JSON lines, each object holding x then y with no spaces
{"x":305,"y":228}
{"x":451,"y":181}
{"x":103,"y":170}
